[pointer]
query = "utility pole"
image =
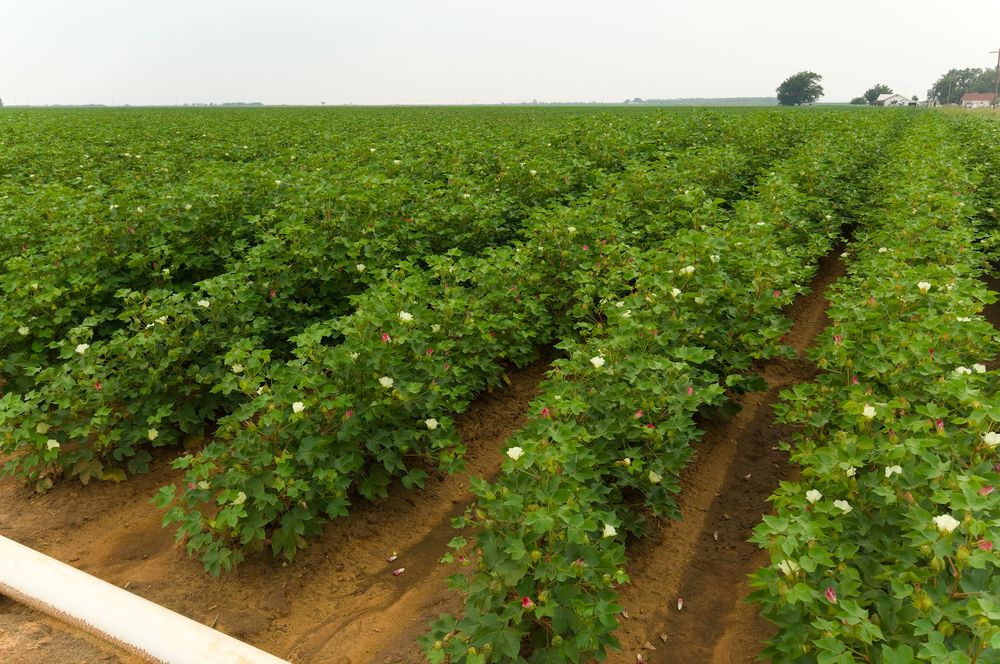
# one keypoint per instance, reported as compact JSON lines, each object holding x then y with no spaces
{"x":996,"y":83}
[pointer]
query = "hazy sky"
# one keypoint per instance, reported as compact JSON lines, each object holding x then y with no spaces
{"x":449,"y":51}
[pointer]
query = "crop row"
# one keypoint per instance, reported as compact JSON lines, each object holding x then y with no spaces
{"x":883,"y":551}
{"x":613,"y":426}
{"x":369,"y":396}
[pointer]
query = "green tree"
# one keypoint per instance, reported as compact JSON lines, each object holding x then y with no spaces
{"x":956,"y":82}
{"x":801,"y":88}
{"x":872,"y":93}
{"x":859,"y":101}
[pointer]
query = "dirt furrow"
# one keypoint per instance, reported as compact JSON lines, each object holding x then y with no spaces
{"x":704,"y":558}
{"x":338,"y":602}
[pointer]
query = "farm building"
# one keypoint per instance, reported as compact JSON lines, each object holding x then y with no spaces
{"x":977,"y":100}
{"x":892,"y":99}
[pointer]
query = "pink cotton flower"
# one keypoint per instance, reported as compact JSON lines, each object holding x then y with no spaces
{"x":386,"y":338}
{"x":777,"y":293}
{"x":586,"y":248}
{"x":690,"y":390}
{"x":831,"y":595}
{"x":546,"y":412}
{"x":986,"y":490}
{"x":837,"y":339}
{"x":527,"y":603}
{"x":985,"y":545}
{"x":939,"y":424}
{"x":98,"y":386}
{"x":854,"y":380}
{"x":649,"y":425}
{"x":638,"y":414}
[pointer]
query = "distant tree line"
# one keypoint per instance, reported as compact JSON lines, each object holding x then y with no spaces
{"x":956,"y":82}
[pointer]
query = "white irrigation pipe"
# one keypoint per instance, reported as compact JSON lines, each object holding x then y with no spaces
{"x":132,"y":622}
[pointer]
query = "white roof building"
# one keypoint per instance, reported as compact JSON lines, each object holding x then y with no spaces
{"x":892,"y":99}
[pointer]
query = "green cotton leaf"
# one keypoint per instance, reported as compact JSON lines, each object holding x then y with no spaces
{"x":512,"y":571}
{"x":800,"y":592}
{"x":515,"y":549}
{"x":901,"y":654}
{"x":776,"y":524}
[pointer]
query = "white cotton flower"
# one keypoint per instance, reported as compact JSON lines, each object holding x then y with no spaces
{"x":397,"y":161}
{"x":893,"y":470}
{"x":405,"y":316}
{"x":843,"y":506}
{"x":237,"y":368}
{"x":466,"y":195}
{"x":688,"y":269}
{"x":152,"y":434}
{"x":204,"y":304}
{"x":371,"y":149}
{"x":571,"y":229}
{"x":788,"y":567}
{"x":714,"y":258}
{"x":882,"y":250}
{"x":386,"y":382}
{"x":627,"y":313}
{"x":240,"y":498}
{"x":82,"y":348}
{"x":298,"y":407}
{"x":23,"y":330}
{"x":162,"y":320}
{"x":203,"y":485}
{"x":619,"y":304}
{"x":924,"y":286}
{"x":435,"y":328}
{"x":812,"y":495}
{"x":626,"y":462}
{"x":354,"y":355}
{"x":963,"y":370}
{"x":597,"y":361}
{"x":140,"y":209}
{"x":979,"y":368}
{"x":52,"y":444}
{"x":42,"y":428}
{"x":515,"y":453}
{"x":654,"y":478}
{"x":188,"y":207}
{"x":964,"y":319}
{"x":431,"y":424}
{"x":946,"y":523}
{"x":675,"y":292}
{"x":991,"y":438}
{"x":112,"y":207}
{"x":869,"y":411}
{"x":851,"y":472}
{"x":260,"y":390}
{"x":609,"y":531}
{"x":360,"y":267}
{"x":533,"y":172}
